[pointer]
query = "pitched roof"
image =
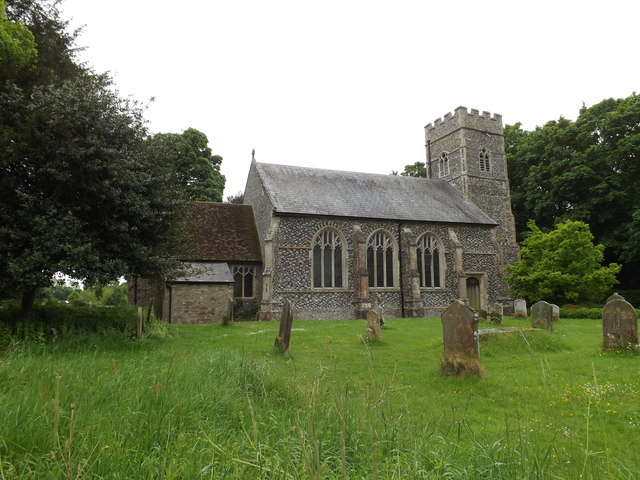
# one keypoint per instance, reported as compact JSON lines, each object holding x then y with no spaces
{"x":314,"y":191}
{"x":200,"y":272}
{"x":223,"y":232}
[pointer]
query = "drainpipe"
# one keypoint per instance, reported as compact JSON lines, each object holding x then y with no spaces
{"x":429,"y":172}
{"x":400,"y":269}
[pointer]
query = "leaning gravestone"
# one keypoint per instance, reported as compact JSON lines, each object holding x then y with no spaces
{"x":542,"y":315}
{"x":284,"y":334}
{"x":619,"y":324}
{"x":496,"y":312}
{"x":376,"y":302}
{"x":460,"y":335}
{"x":520,"y":308}
{"x":372,"y":333}
{"x":555,"y":316}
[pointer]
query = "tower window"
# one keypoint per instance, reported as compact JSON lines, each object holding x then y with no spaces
{"x":484,"y":159}
{"x":443,"y":164}
{"x":328,"y":260}
{"x":430,"y":262}
{"x":243,"y":286}
{"x":381,"y":260}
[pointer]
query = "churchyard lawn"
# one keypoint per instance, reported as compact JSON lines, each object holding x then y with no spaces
{"x":214,"y":402}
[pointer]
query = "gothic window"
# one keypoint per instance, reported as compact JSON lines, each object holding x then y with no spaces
{"x":443,"y":164}
{"x":328,"y":260}
{"x":430,"y":262}
{"x":484,"y":159}
{"x":381,"y":260}
{"x":243,"y":286}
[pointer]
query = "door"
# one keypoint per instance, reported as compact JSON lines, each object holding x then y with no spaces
{"x":473,"y":292}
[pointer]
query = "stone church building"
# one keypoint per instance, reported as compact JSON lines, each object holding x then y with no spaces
{"x":328,"y":240}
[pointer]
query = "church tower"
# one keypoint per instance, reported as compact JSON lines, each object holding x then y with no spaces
{"x":466,"y":149}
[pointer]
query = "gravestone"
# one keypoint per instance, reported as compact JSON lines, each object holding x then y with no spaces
{"x":284,"y":334}
{"x":376,"y":305}
{"x":372,"y":333}
{"x":461,"y":341}
{"x":542,"y":315}
{"x":520,"y":308}
{"x":555,"y":313}
{"x":227,"y":320}
{"x":619,"y":324}
{"x":496,"y":313}
{"x":615,"y":296}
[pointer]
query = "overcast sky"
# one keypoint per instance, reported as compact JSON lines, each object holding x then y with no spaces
{"x":350,"y":84}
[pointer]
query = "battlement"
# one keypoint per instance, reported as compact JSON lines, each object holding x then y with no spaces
{"x":462,"y":118}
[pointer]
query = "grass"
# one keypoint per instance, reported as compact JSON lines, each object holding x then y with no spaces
{"x":219,"y":402}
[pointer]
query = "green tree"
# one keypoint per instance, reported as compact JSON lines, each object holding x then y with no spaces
{"x":561,"y":265}
{"x":197,"y":169}
{"x":80,"y":191}
{"x":17,"y":46}
{"x":418,"y":169}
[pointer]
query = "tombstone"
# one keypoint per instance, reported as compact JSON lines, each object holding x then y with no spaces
{"x":520,"y":308}
{"x":372,"y":333}
{"x":227,"y":320}
{"x":461,"y":345}
{"x":542,"y":315}
{"x":615,"y":296}
{"x":284,"y":334}
{"x":376,"y":302}
{"x":496,"y":313}
{"x":619,"y":324}
{"x":555,"y":316}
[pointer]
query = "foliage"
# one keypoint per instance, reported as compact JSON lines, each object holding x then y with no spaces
{"x":237,"y":198}
{"x":17,"y":46}
{"x":212,"y":402}
{"x":587,"y":170}
{"x":196,"y":168}
{"x":418,"y":169}
{"x":561,"y":265}
{"x":80,"y":191}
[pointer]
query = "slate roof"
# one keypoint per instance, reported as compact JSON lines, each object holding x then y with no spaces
{"x":311,"y":191}
{"x":224,"y":232}
{"x":200,"y":272}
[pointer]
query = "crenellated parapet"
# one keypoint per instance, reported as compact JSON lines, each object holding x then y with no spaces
{"x":463,"y":118}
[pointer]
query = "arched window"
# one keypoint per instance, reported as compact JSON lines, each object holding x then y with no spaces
{"x":430,"y":261}
{"x":381,"y":260}
{"x":443,"y":164}
{"x":328,"y":260}
{"x":243,"y":277}
{"x":484,"y":158}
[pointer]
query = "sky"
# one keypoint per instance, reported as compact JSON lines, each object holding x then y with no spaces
{"x":350,"y":84}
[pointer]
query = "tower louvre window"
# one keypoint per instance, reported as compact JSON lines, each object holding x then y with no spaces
{"x":443,"y":164}
{"x":484,"y":157}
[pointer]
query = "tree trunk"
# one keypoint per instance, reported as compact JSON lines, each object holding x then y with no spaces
{"x":28,"y":298}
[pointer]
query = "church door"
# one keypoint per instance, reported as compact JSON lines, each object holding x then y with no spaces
{"x":473,"y":292}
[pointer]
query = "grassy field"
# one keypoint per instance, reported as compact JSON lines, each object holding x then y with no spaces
{"x":214,"y":402}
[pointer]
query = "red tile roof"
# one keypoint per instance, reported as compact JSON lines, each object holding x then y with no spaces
{"x":222,"y":232}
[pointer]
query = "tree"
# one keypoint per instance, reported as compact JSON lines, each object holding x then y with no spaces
{"x":196,"y":168}
{"x":237,"y":198}
{"x":561,"y":265}
{"x":418,"y":169}
{"x":80,"y":191}
{"x":17,"y":46}
{"x":587,"y":170}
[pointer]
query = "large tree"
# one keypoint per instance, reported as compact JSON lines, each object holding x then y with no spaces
{"x":197,"y":169}
{"x":81,"y":192}
{"x":561,"y":265}
{"x":587,"y":170}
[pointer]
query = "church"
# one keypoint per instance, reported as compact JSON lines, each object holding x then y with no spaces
{"x":328,"y":240}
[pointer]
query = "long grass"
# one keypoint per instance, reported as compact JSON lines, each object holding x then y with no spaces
{"x":218,"y":402}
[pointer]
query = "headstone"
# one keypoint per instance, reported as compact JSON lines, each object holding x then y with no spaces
{"x":619,"y":324}
{"x":227,"y":320}
{"x":496,"y":313}
{"x":461,"y":345}
{"x":542,"y":315}
{"x":520,"y":308}
{"x":284,"y":334}
{"x":615,"y":296}
{"x":372,"y":333}
{"x":460,"y":329}
{"x":555,"y":316}
{"x":376,"y":305}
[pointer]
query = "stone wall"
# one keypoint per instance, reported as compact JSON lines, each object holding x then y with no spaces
{"x":197,"y":303}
